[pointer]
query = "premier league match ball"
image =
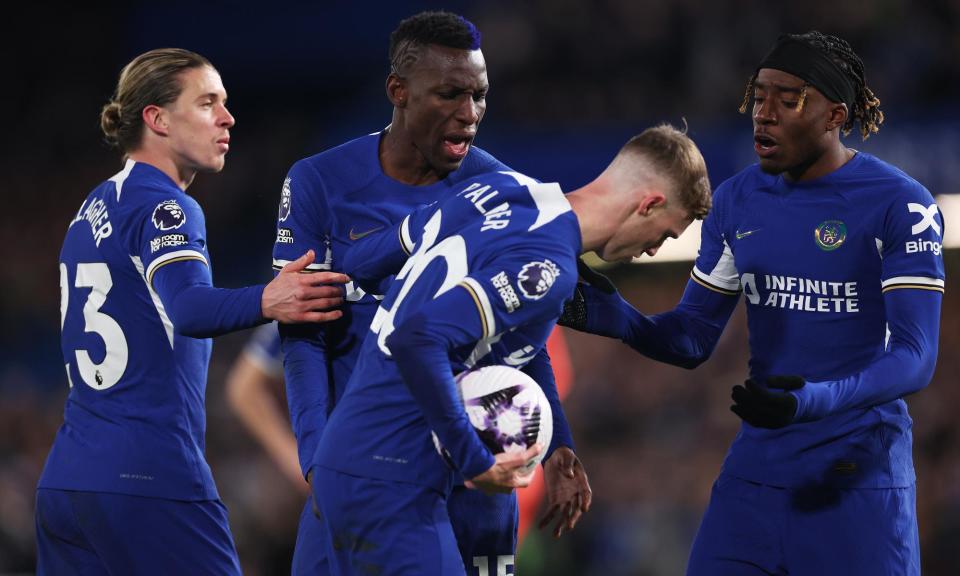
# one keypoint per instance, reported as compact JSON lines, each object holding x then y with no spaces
{"x":508,"y":410}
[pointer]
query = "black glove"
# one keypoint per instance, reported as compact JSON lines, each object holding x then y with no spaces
{"x":770,"y":406}
{"x":575,"y":310}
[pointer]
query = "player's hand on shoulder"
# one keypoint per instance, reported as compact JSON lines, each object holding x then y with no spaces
{"x":295,"y":297}
{"x":568,"y":491}
{"x":767,"y":405}
{"x":509,"y":471}
{"x":592,"y":285}
{"x":590,"y":276}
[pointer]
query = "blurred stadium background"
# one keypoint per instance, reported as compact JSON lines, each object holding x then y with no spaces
{"x":570,"y":81}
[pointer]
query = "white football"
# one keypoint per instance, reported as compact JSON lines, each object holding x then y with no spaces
{"x":508,"y":409}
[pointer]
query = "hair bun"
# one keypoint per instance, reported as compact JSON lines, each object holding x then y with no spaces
{"x":110,"y":121}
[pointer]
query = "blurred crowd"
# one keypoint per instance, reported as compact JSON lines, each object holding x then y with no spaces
{"x":588,"y":63}
{"x":582,"y":73}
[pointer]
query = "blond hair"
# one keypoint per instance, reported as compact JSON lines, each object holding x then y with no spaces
{"x":152,"y":78}
{"x":673,"y":156}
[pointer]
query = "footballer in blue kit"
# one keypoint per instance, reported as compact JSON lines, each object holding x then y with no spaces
{"x":837,"y":255}
{"x":390,"y":440}
{"x":126,"y":488}
{"x":437,"y":86}
{"x":331,"y":200}
{"x":488,"y":272}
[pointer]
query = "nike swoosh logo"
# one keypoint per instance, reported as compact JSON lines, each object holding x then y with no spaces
{"x":742,"y":235}
{"x":354,"y":236}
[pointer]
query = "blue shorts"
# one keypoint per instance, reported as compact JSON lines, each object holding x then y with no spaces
{"x":754,"y":529}
{"x":486,"y":529}
{"x":385,"y":528}
{"x":98,"y":533}
{"x":309,"y":554}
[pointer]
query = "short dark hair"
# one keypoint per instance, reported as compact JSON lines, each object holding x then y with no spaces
{"x":434,"y":27}
{"x":866,"y":105}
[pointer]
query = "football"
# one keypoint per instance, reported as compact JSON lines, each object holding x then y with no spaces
{"x":508,"y":409}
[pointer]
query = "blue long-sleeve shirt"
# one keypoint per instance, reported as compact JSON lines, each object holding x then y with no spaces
{"x":489,"y":272}
{"x":137,"y":308}
{"x":843,"y":279}
{"x":373,"y":261}
{"x":329,"y":201}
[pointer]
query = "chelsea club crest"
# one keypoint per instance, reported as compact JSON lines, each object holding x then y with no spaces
{"x":830,"y":234}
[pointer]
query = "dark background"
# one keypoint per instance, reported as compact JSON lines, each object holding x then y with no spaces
{"x":570,"y":81}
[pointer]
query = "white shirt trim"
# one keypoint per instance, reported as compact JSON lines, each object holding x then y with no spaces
{"x":724,"y":274}
{"x":120,"y":177}
{"x":157,"y":303}
{"x":548,"y":197}
{"x":170,"y":256}
{"x":919,"y":280}
{"x":486,"y":309}
{"x":279,"y":263}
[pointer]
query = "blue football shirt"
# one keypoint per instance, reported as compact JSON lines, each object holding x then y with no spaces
{"x":510,"y":245}
{"x":134,"y":419}
{"x":813,"y":260}
{"x":328,"y":201}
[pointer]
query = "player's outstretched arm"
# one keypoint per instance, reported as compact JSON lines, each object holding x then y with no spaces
{"x":913,"y":318}
{"x":596,"y":307}
{"x":507,"y":473}
{"x":294,"y":297}
{"x":684,"y":336}
{"x":198,"y":309}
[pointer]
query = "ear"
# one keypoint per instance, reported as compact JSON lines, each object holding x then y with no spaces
{"x":397,"y":91}
{"x":838,"y":116}
{"x":155,"y":118}
{"x":652,"y":199}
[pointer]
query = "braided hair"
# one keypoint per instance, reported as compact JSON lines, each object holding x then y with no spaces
{"x":866,"y":106}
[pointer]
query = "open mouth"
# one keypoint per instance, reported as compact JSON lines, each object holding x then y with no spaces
{"x":764,"y":145}
{"x":457,"y":145}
